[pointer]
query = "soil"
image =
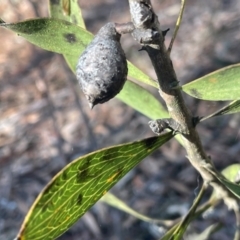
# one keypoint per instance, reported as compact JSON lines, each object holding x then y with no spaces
{"x":45,"y":121}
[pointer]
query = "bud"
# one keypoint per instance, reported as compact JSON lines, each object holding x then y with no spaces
{"x":102,"y":67}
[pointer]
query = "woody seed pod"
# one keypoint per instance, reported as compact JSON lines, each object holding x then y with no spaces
{"x":102,"y":67}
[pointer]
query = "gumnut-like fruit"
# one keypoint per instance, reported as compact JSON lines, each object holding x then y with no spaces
{"x":102,"y":67}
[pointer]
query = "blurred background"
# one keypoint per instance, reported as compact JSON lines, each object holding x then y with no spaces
{"x":45,"y":123}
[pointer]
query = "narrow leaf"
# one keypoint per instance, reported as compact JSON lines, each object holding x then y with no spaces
{"x":204,"y":207}
{"x":113,"y":201}
{"x":63,"y":37}
{"x":142,"y":100}
{"x":80,"y":184}
{"x":231,"y":108}
{"x":137,"y":74}
{"x":233,"y":187}
{"x":180,"y":228}
{"x":76,"y":14}
{"x":53,"y":34}
{"x":55,"y":11}
{"x":67,"y":10}
{"x":169,"y":234}
{"x":221,"y":85}
{"x":71,"y":40}
{"x":71,"y":61}
{"x":231,"y":174}
{"x":178,"y":234}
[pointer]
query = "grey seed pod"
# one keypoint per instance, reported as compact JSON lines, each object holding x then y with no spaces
{"x":102,"y":67}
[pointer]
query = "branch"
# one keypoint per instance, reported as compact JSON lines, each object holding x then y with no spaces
{"x":145,"y":20}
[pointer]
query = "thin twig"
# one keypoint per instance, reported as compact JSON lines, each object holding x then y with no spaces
{"x":178,"y":23}
{"x":190,"y":215}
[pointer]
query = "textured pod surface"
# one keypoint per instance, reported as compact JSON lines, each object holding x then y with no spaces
{"x":102,"y":67}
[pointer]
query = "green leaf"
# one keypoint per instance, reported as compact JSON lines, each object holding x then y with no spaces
{"x":56,"y":11}
{"x":75,"y":17}
{"x":80,"y":184}
{"x":231,"y":173}
{"x":68,"y":10}
{"x":177,"y":231}
{"x":113,"y":201}
{"x":141,"y":100}
{"x":232,"y":107}
{"x":233,"y":187}
{"x":136,"y":74}
{"x":204,"y":207}
{"x":63,"y":37}
{"x":212,"y":202}
{"x":55,"y":35}
{"x":168,"y":235}
{"x":221,"y":85}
